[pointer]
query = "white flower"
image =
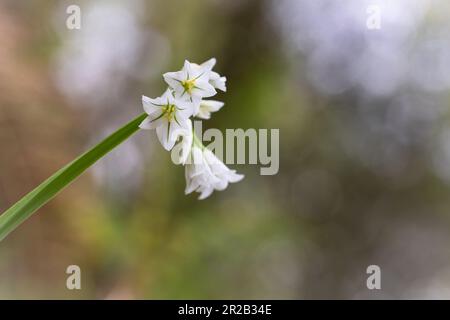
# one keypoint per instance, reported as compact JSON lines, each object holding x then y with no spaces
{"x":168,"y":115}
{"x":191,"y":82}
{"x":208,"y":106}
{"x":206,"y":173}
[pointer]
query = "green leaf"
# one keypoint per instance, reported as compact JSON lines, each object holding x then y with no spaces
{"x":25,"y":207}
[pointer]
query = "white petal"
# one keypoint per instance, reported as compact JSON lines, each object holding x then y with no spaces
{"x":200,"y":71}
{"x":186,"y":143}
{"x":187,"y":65}
{"x":220,"y":84}
{"x":191,"y":186}
{"x":191,"y":70}
{"x":174,"y":79}
{"x":235,"y":177}
{"x":178,"y":128}
{"x":164,"y":137}
{"x":151,"y":105}
{"x":167,"y":97}
{"x":203,"y":114}
{"x":145,"y":124}
{"x":197,"y":156}
{"x":203,"y":89}
{"x":206,"y":192}
{"x":214,"y":105}
{"x":221,"y":184}
{"x":185,"y":109}
{"x":211,"y":158}
{"x":195,"y":103}
{"x":209,"y":64}
{"x":217,"y":81}
{"x":152,"y":121}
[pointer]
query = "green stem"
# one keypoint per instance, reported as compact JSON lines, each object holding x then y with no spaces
{"x":26,"y":206}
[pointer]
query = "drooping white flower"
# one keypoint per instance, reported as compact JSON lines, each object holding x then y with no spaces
{"x":208,"y":106}
{"x":191,"y":82}
{"x":168,"y":115}
{"x":206,"y":173}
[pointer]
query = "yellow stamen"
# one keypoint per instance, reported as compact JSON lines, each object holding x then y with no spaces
{"x":188,"y":85}
{"x":169,"y":111}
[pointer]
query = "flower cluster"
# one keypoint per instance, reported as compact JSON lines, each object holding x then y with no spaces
{"x":170,"y":114}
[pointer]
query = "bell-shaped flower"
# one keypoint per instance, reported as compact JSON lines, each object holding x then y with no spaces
{"x":208,"y":106}
{"x":191,"y":83}
{"x":206,"y":173}
{"x":168,"y":115}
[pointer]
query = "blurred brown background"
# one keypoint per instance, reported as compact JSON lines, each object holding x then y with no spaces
{"x":364,"y":150}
